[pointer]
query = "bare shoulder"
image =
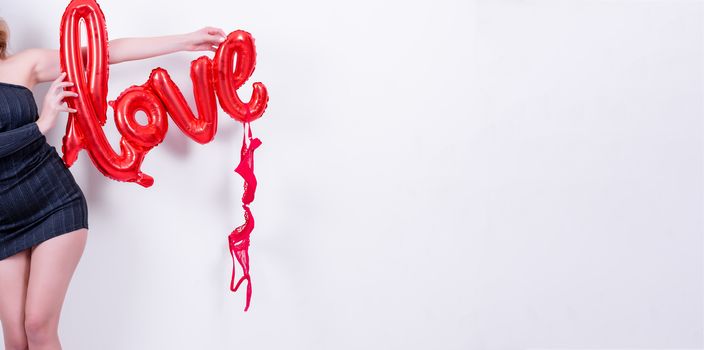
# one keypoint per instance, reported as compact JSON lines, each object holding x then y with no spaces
{"x":21,"y":68}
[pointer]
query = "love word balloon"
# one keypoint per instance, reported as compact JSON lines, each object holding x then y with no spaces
{"x":158,"y":97}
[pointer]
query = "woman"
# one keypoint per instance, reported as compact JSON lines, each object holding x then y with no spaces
{"x":43,"y":213}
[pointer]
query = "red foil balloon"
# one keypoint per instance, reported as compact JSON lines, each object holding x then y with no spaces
{"x":94,"y":90}
{"x":227,"y":82}
{"x":131,"y":101}
{"x":157,"y":97}
{"x":84,"y":127}
{"x":203,"y":128}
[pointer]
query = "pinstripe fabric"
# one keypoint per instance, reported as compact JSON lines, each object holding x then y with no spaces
{"x":39,"y":198}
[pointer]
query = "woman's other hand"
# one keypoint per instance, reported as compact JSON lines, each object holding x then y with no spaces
{"x":204,"y":39}
{"x":54,"y":103}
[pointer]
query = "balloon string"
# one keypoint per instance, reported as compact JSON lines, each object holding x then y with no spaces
{"x":239,"y":238}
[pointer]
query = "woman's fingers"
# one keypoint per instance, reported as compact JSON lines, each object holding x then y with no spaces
{"x":213,"y":39}
{"x":205,"y":38}
{"x":59,"y":95}
{"x":215,"y":35}
{"x":63,"y":108}
{"x":215,"y":31}
{"x":64,"y":84}
{"x":58,"y":79}
{"x":67,"y":93}
{"x":56,"y":101}
{"x":59,"y":86}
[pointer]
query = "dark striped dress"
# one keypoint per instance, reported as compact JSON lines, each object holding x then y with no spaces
{"x":39,"y":198}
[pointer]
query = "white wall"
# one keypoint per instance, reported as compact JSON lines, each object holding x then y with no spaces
{"x":434,"y":175}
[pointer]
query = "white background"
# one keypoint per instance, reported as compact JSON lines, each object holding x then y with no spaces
{"x":433,"y":175}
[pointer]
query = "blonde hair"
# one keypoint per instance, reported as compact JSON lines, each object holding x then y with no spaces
{"x":3,"y":38}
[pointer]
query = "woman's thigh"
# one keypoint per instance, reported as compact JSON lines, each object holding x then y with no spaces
{"x":14,"y":274}
{"x":52,"y":265}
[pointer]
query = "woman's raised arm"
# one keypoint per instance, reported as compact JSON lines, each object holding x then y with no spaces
{"x":47,"y":65}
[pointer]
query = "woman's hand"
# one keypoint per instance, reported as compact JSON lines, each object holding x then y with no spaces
{"x":204,"y":39}
{"x":54,"y":103}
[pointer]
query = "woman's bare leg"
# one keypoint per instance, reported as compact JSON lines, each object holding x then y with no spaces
{"x":14,"y":274}
{"x":51,"y":267}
